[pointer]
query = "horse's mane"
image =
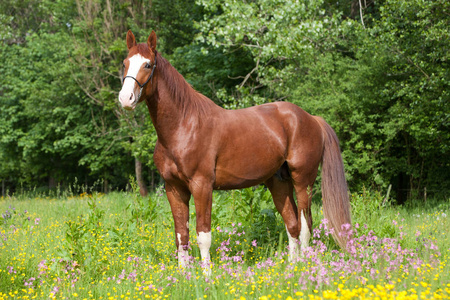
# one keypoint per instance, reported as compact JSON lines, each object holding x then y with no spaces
{"x":186,"y":98}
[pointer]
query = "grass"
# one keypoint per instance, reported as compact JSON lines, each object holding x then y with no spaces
{"x":121,"y":246}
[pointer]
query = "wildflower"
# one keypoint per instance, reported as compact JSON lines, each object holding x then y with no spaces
{"x":254,"y":244}
{"x":316,"y":233}
{"x":346,"y":226}
{"x":121,"y":276}
{"x":132,"y":275}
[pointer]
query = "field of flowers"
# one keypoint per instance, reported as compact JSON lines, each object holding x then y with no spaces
{"x":120,"y":246}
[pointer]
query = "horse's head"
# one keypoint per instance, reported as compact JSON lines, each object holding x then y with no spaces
{"x":139,"y":68}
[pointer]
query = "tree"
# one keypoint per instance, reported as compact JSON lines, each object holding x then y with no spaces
{"x":39,"y":105}
{"x":376,"y":82}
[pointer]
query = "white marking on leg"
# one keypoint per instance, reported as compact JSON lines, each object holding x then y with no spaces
{"x":183,"y":255}
{"x":293,"y":247}
{"x":304,"y":232}
{"x":204,"y":243}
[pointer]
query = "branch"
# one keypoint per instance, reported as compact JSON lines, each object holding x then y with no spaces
{"x":249,"y":74}
{"x":361,"y":14}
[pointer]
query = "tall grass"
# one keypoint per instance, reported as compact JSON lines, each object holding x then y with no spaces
{"x":121,"y":246}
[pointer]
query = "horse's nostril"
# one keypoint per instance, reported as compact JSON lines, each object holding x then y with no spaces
{"x":131,"y":96}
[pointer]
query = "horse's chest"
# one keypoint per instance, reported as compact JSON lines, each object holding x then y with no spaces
{"x":179,"y":164}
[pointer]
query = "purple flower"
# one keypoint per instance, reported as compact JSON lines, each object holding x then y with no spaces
{"x":132,"y":276}
{"x":254,"y":244}
{"x":316,"y":233}
{"x":122,"y":275}
{"x":346,"y":227}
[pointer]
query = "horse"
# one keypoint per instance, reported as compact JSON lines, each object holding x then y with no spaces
{"x":203,"y":147}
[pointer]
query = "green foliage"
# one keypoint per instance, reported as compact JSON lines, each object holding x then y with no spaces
{"x":123,"y":257}
{"x":370,"y":208}
{"x":378,"y":74}
{"x":11,"y":219}
{"x":382,"y":87}
{"x":251,"y":206}
{"x":145,"y":209}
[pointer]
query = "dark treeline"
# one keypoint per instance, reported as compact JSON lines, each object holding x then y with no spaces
{"x":377,"y":71}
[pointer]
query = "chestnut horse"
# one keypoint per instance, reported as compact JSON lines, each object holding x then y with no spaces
{"x":202,"y":147}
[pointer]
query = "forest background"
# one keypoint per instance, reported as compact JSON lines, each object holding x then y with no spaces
{"x":377,"y":71}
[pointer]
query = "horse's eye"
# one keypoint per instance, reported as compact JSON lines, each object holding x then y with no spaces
{"x":147,"y":66}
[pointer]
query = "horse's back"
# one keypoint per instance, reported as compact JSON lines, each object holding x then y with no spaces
{"x":256,"y":141}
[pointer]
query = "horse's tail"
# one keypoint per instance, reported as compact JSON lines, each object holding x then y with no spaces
{"x":336,"y":203}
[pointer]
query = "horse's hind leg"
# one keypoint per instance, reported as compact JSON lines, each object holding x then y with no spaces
{"x":282,"y":194}
{"x":303,"y":184}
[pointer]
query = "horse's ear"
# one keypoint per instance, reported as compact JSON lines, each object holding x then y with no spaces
{"x":131,"y":41}
{"x":151,"y":42}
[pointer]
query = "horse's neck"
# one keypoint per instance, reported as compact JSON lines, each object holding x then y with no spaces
{"x":166,"y":117}
{"x":170,"y":116}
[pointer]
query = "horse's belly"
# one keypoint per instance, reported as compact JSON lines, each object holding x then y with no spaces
{"x":245,"y":171}
{"x":253,"y":147}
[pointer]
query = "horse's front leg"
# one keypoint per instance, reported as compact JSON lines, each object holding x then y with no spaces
{"x":202,"y":192}
{"x":178,"y":197}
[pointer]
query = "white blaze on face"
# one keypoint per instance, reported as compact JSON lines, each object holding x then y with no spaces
{"x":129,"y":94}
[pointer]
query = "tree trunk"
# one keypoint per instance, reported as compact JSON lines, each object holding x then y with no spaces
{"x":140,"y":181}
{"x":152,"y":179}
{"x":51,"y":182}
{"x":354,"y":9}
{"x":105,"y":184}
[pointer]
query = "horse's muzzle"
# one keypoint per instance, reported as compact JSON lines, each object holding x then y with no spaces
{"x":128,"y":100}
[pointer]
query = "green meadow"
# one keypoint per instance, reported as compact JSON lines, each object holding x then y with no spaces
{"x":122,"y":246}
